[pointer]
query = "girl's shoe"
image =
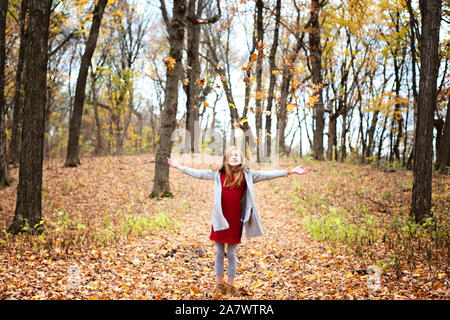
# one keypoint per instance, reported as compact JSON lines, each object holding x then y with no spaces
{"x":231,"y":291}
{"x":220,"y":288}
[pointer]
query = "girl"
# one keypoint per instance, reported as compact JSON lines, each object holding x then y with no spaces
{"x":233,"y":208}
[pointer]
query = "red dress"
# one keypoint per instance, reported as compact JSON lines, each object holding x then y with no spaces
{"x":231,"y":208}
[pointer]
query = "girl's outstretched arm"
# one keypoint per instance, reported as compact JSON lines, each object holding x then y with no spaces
{"x":199,"y":174}
{"x":261,"y":175}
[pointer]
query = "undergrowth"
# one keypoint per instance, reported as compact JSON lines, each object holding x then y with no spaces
{"x":386,"y":236}
{"x":71,"y":233}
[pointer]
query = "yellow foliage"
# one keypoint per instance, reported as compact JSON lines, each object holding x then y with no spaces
{"x":291,"y":106}
{"x":260,"y":95}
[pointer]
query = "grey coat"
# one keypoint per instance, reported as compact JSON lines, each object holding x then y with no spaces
{"x":251,"y":219}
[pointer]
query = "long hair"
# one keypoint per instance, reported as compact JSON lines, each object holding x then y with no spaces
{"x":238,"y":170}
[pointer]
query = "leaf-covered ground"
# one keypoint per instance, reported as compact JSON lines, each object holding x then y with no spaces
{"x":108,"y":240}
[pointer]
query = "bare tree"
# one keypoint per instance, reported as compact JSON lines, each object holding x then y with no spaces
{"x":191,"y":87}
{"x":316,"y":65}
{"x":5,"y":178}
{"x":73,"y":147}
{"x":272,"y":77}
{"x":14,"y":144}
{"x":176,"y":30}
{"x":28,"y":210}
{"x":176,"y":27}
{"x":429,"y":52}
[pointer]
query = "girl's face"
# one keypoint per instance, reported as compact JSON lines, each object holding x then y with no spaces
{"x":234,"y":159}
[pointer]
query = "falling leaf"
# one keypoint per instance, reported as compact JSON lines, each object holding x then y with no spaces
{"x":169,"y":62}
{"x":186,"y":81}
{"x":200,"y":81}
{"x":260,"y":45}
{"x":206,"y":104}
{"x":245,"y":68}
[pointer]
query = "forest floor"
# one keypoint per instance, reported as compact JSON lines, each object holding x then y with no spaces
{"x":108,"y":240}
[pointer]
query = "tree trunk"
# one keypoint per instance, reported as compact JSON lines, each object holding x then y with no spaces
{"x":118,"y":131}
{"x":161,"y":186}
{"x":444,"y":148}
{"x":258,"y":103}
{"x":282,"y":107}
{"x":316,"y":65}
{"x":397,"y":121}
{"x":192,"y":88}
{"x":98,"y":149}
{"x":413,"y":36}
{"x":331,"y":136}
{"x":28,"y":210}
{"x":429,"y":52}
{"x":371,"y":134}
{"x":48,"y":111}
{"x":73,"y":147}
{"x":343,"y":154}
{"x":272,"y":78}
{"x":14,"y":144}
{"x":5,"y":178}
{"x":381,"y":140}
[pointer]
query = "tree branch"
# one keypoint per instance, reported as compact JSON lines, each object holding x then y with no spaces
{"x":165,"y":15}
{"x":67,"y":39}
{"x":196,"y":20}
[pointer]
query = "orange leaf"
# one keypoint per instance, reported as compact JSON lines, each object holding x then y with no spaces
{"x":200,"y":81}
{"x":169,"y":62}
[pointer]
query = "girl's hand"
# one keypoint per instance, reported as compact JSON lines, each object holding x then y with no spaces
{"x":299,"y":170}
{"x":174,"y":164}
